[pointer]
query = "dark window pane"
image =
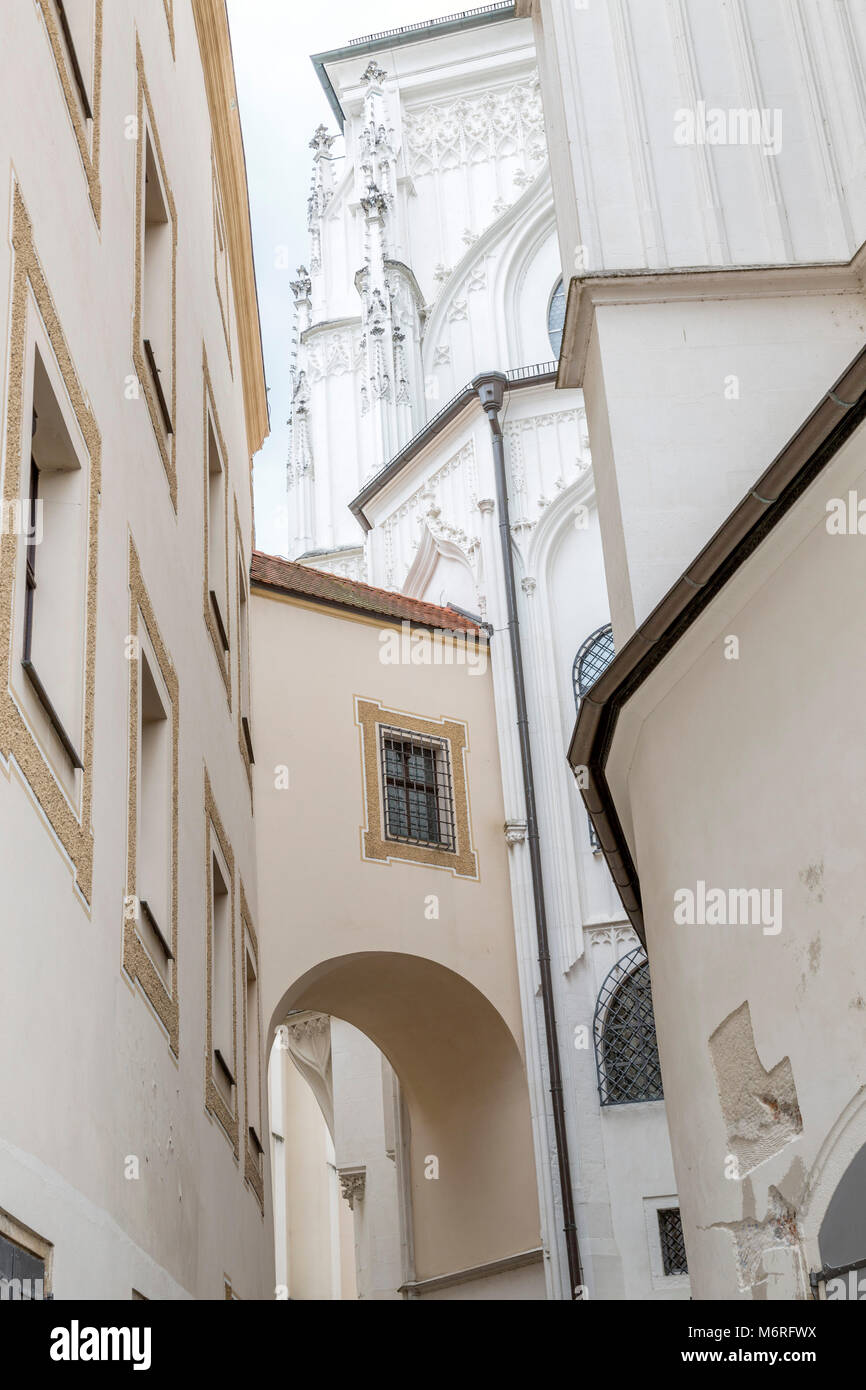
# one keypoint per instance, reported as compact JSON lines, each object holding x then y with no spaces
{"x":672,"y":1241}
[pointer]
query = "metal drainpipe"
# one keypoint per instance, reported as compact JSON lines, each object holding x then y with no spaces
{"x":490,"y":388}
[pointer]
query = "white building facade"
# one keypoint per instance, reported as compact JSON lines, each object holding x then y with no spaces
{"x":709,"y":182}
{"x":433,"y":259}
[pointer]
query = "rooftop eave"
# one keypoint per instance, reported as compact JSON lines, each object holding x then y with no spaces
{"x":398,"y":38}
{"x":542,"y":375}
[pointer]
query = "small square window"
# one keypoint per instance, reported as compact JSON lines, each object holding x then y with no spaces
{"x":672,"y":1241}
{"x":417,"y":789}
{"x":25,"y":1263}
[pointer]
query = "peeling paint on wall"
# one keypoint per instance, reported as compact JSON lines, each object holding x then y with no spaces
{"x":760,"y":1108}
{"x":753,"y":1238}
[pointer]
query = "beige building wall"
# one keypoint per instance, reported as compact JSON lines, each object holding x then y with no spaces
{"x":417,"y":955}
{"x":750,"y":764}
{"x":111,"y":1149}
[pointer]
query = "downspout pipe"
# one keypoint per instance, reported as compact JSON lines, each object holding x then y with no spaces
{"x":490,"y":388}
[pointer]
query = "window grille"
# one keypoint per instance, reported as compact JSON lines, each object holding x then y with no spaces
{"x":556,"y":319}
{"x":417,"y":789}
{"x":626,"y":1051}
{"x":594,"y":657}
{"x":672,"y":1241}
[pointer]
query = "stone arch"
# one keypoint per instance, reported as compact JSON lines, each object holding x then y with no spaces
{"x":838,"y":1170}
{"x":518,"y":222}
{"x":462,"y":1076}
{"x":525,"y":280}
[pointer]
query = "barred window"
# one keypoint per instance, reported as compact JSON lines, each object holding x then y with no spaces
{"x":593,"y":658}
{"x":418,"y":794}
{"x":626,"y":1051}
{"x":672,"y":1241}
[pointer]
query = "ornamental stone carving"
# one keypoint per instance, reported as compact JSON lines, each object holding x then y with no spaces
{"x":483,"y":126}
{"x":308,"y":1039}
{"x":302,"y":286}
{"x":353,"y":1181}
{"x":321,"y":142}
{"x":515,"y":832}
{"x":373,"y":75}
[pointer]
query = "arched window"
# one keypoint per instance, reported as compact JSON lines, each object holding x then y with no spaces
{"x":556,"y":318}
{"x":626,"y":1052}
{"x":842,"y":1237}
{"x":594,"y":656}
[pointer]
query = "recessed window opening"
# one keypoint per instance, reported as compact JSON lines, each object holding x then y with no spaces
{"x":216,"y":534}
{"x":153,"y":857}
{"x":156,"y":307}
{"x":222,"y":1012}
{"x":54,"y":618}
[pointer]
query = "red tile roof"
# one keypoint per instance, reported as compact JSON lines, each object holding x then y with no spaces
{"x":292,"y":578}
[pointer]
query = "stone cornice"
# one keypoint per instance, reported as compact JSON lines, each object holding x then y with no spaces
{"x":216,"y":56}
{"x":588,"y":293}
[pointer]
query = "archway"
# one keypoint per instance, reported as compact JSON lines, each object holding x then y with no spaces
{"x":470,"y":1160}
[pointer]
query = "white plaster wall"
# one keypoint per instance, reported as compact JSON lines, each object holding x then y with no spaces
{"x":693,"y":401}
{"x":775,"y":805}
{"x":614,"y":76}
{"x":359,"y":1137}
{"x":96,"y":1080}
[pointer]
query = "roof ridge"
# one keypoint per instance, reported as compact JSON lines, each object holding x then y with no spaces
{"x":348,"y":588}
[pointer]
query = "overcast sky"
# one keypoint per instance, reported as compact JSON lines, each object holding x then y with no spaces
{"x":281,"y":103}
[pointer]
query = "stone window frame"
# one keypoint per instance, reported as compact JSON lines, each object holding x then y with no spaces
{"x":215,"y":1104}
{"x":146,"y":120}
{"x":169,"y":19}
{"x":88,"y":149}
{"x":136,"y":959}
{"x":29,"y":1240}
{"x":18,"y":743}
{"x":211,"y":415}
{"x":253,"y":1176}
{"x":462,"y":861}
